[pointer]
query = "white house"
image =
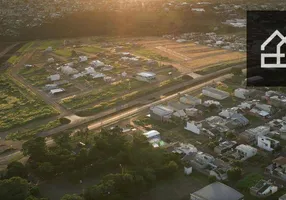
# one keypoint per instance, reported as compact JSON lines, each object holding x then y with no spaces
{"x":267,"y":143}
{"x":191,"y":100}
{"x":146,"y":76}
{"x":68,"y":70}
{"x":153,"y":137}
{"x":241,"y":93}
{"x":51,"y":60}
{"x":96,"y":63}
{"x":215,"y":93}
{"x":82,"y":58}
{"x":89,"y":70}
{"x":194,"y":127}
{"x":54,"y":77}
{"x":245,"y":151}
{"x":56,"y":91}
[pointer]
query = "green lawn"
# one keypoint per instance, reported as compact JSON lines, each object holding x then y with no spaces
{"x":50,"y":43}
{"x":18,"y":106}
{"x":13,"y":59}
{"x":35,"y":75}
{"x":26,"y":47}
{"x":63,"y":52}
{"x":91,"y":49}
{"x":28,"y":133}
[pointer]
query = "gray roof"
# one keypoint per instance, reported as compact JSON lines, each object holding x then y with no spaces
{"x":218,"y":191}
{"x":283,"y":197}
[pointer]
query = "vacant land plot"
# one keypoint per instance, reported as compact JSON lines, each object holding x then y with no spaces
{"x":18,"y":106}
{"x":192,"y":56}
{"x":63,"y":52}
{"x":36,"y":76}
{"x":90,"y":49}
{"x":50,"y":43}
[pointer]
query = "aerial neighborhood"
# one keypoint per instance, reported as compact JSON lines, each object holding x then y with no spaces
{"x":139,"y":100}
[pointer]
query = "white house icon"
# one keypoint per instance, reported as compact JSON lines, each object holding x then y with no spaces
{"x":278,"y":55}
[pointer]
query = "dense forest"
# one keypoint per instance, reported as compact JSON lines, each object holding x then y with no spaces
{"x":132,"y":23}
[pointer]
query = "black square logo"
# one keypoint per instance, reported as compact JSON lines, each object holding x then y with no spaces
{"x":266,"y":48}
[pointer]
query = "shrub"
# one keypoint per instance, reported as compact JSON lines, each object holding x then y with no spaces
{"x":64,"y":120}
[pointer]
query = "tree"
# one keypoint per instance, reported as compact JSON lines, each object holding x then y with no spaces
{"x":71,"y":197}
{"x":212,"y":179}
{"x":234,"y":173}
{"x":45,"y":170}
{"x":16,"y":169}
{"x":35,"y":148}
{"x":14,"y":188}
{"x":63,"y":140}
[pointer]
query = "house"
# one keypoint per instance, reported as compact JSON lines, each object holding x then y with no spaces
{"x":50,"y":86}
{"x":227,"y":113}
{"x":56,"y":91}
{"x":54,"y":77}
{"x":68,"y":70}
{"x":210,"y":103}
{"x":243,"y":152}
{"x":96,"y":63}
{"x":180,"y":114}
{"x":95,"y":75}
{"x":278,"y":101}
{"x":146,"y":76}
{"x":283,"y":197}
{"x":267,"y":143}
{"x":49,"y":49}
{"x":263,"y":189}
{"x":89,"y":70}
{"x":82,"y":58}
{"x":161,"y":112}
{"x":193,"y":112}
{"x":237,"y":120}
{"x":51,"y":60}
{"x":241,"y":93}
{"x":190,"y":100}
{"x":153,"y":138}
{"x":246,"y":105}
{"x":199,"y":10}
{"x":215,"y":93}
{"x":250,"y":135}
{"x":202,"y":160}
{"x":184,"y":149}
{"x":278,"y":168}
{"x":194,"y":127}
{"x":283,"y":132}
{"x":264,"y":107}
{"x":216,"y":191}
{"x":224,"y":147}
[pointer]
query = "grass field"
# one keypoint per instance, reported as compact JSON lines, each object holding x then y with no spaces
{"x":30,"y":132}
{"x":50,"y":43}
{"x":63,"y":52}
{"x":13,"y":59}
{"x":91,"y":49}
{"x":26,"y":47}
{"x":97,"y":95}
{"x":35,"y":75}
{"x":18,"y":106}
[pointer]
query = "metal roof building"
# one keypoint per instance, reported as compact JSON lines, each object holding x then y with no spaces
{"x":217,"y":191}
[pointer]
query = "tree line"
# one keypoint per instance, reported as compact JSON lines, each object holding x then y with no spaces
{"x":128,"y":166}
